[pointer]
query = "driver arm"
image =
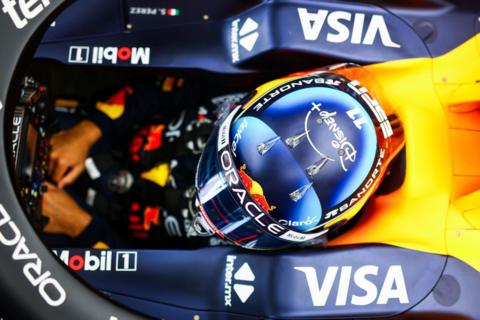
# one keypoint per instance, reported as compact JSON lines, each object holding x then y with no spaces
{"x":67,"y":217}
{"x":70,"y":148}
{"x":113,"y":120}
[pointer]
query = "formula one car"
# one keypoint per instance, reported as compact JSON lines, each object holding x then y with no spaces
{"x":412,"y":253}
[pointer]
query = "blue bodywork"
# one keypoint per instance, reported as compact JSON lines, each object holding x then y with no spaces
{"x":238,"y":36}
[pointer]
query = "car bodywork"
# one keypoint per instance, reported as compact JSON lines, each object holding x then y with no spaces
{"x":418,"y":264}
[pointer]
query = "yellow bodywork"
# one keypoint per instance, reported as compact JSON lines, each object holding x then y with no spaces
{"x":437,"y":209}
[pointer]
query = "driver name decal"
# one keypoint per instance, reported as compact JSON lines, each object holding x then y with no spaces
{"x":344,"y":26}
{"x":374,"y":290}
{"x":24,"y":11}
{"x":48,"y":287}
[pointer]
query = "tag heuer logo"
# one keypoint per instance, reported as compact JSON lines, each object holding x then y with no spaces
{"x":240,"y":281}
{"x":246,"y":36}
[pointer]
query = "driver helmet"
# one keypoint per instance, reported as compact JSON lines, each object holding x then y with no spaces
{"x":297,"y":159}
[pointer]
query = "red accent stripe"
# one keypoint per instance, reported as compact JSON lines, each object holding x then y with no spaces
{"x":205,"y":217}
{"x":253,"y":236}
{"x":219,"y":212}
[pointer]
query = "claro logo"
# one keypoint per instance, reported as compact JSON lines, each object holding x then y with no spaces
{"x":345,"y":26}
{"x":24,"y":11}
{"x":49,"y":289}
{"x":365,"y":278}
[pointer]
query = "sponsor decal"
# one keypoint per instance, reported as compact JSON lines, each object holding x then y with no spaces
{"x":361,"y":191}
{"x":392,"y":286}
{"x":295,"y":84}
{"x":48,"y":287}
{"x":374,"y":106}
{"x":153,"y":11}
{"x":229,"y":267}
{"x":223,"y":133}
{"x":24,"y":11}
{"x":79,"y":54}
{"x":16,"y":132}
{"x":307,"y":222}
{"x":238,"y":281}
{"x":234,"y":41}
{"x":243,"y":197}
{"x":346,"y":150}
{"x":109,"y":55}
{"x":246,"y":36}
{"x":101,"y":260}
{"x":238,"y":135}
{"x":343,"y":26}
{"x":255,"y":190}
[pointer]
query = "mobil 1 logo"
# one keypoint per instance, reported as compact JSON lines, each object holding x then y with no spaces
{"x":109,"y":55}
{"x":99,"y":260}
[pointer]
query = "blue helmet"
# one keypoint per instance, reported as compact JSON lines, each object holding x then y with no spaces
{"x":297,"y":159}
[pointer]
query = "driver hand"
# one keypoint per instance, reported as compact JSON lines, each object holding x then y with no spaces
{"x":69,"y":150}
{"x":65,"y":216}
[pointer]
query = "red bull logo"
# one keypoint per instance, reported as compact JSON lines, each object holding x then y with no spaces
{"x":140,"y":222}
{"x":255,"y":190}
{"x":115,"y":105}
{"x":147,"y":139}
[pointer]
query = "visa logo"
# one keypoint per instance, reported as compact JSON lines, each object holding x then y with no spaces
{"x":345,"y":26}
{"x":365,"y":278}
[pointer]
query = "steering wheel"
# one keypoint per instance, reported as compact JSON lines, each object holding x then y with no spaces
{"x":35,"y":284}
